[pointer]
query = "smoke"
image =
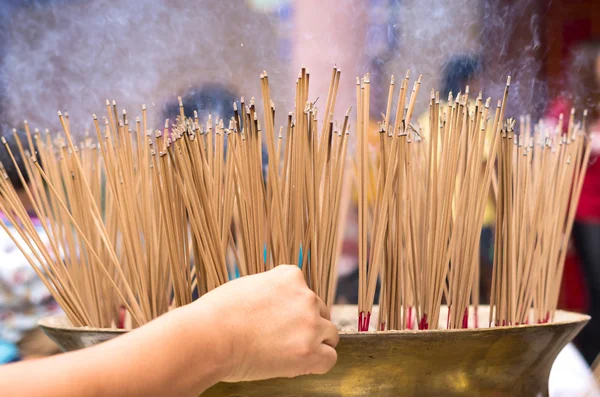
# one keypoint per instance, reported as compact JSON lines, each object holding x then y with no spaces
{"x":429,"y":33}
{"x":507,"y":36}
{"x":512,"y":40}
{"x":72,"y":56}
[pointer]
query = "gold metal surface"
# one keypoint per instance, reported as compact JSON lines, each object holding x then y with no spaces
{"x":498,"y":362}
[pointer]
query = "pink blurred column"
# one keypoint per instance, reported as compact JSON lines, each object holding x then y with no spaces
{"x":329,"y":32}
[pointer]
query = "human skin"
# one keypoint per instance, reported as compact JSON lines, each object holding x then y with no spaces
{"x":256,"y":327}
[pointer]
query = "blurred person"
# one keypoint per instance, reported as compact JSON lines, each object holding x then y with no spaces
{"x":584,"y":93}
{"x":274,"y":326}
{"x":24,"y":299}
{"x":210,"y":99}
{"x":458,"y":73}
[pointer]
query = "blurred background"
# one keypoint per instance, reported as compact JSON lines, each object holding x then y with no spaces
{"x":72,"y":55}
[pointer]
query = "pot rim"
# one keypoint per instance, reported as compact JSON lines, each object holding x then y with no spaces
{"x":566,"y":317}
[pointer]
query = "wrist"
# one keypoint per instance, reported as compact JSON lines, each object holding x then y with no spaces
{"x":208,"y":347}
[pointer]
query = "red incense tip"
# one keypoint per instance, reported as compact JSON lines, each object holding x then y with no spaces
{"x":121,"y":324}
{"x":382,"y":327}
{"x":465,"y":322}
{"x":410,"y":317}
{"x":423,"y":323}
{"x":367,"y":322}
{"x":360,"y":322}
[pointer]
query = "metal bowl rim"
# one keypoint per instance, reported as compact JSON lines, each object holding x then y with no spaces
{"x":574,"y":318}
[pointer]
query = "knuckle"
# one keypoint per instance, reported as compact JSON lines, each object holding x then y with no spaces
{"x":336,"y":341}
{"x":337,"y":337}
{"x":326,"y":363}
{"x":284,"y":268}
{"x":305,"y":351}
{"x":333,"y":360}
{"x":282,"y":272}
{"x":311,"y":298}
{"x":334,"y":337}
{"x":292,"y":269}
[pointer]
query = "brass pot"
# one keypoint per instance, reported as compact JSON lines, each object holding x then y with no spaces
{"x":498,"y":362}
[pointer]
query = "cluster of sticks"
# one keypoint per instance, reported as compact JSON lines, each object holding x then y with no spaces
{"x":139,"y":221}
{"x":540,"y":177}
{"x":432,"y":188}
{"x":84,"y":222}
{"x":262,"y":219}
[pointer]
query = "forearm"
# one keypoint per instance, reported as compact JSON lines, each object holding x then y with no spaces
{"x":155,"y":360}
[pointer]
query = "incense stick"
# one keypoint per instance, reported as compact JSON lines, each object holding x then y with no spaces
{"x":143,"y":220}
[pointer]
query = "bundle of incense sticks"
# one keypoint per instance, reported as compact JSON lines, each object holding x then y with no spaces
{"x":432,"y":186}
{"x":429,"y":207}
{"x":540,"y":176}
{"x":106,"y":241}
{"x":137,"y":220}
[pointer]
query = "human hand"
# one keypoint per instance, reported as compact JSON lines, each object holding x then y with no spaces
{"x":274,"y":324}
